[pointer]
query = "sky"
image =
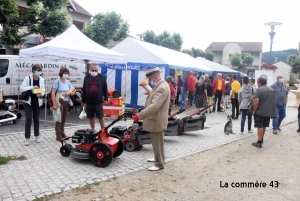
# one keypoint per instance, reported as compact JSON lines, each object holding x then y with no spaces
{"x":202,"y":22}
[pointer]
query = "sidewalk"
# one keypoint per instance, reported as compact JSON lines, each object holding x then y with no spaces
{"x":46,"y":172}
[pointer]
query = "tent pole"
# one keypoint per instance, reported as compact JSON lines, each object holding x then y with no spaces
{"x":46,"y":91}
{"x":124,"y":98}
{"x":19,"y":84}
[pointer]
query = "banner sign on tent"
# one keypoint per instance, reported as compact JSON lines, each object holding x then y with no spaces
{"x":130,"y":66}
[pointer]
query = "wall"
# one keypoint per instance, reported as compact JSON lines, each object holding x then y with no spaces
{"x":283,"y":69}
{"x":230,"y":48}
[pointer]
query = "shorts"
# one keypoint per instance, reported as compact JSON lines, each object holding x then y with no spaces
{"x":261,"y":122}
{"x":92,"y":109}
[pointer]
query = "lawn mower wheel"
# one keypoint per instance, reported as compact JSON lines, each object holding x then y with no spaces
{"x":120,"y":146}
{"x":100,"y":154}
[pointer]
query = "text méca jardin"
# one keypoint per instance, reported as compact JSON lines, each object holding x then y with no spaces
{"x":273,"y":184}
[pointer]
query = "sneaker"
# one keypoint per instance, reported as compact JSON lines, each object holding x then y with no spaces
{"x":27,"y":142}
{"x":279,"y":128}
{"x":256,"y":144}
{"x":37,"y":139}
{"x":250,"y":131}
{"x":241,"y":133}
{"x":209,"y":111}
{"x":274,"y":131}
{"x":151,"y":160}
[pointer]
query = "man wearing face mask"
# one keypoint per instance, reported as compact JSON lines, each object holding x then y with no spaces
{"x":281,"y":93}
{"x":155,"y":116}
{"x":93,"y":91}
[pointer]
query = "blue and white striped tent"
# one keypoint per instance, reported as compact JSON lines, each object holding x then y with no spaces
{"x":141,"y":57}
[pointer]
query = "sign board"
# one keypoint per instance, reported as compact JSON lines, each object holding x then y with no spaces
{"x":270,"y":75}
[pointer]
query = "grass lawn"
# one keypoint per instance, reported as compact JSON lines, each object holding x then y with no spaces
{"x":6,"y":159}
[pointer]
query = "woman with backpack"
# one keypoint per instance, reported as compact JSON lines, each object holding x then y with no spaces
{"x":245,"y":98}
{"x":60,"y":94}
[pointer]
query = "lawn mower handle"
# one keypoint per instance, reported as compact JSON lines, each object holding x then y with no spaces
{"x":181,"y":110}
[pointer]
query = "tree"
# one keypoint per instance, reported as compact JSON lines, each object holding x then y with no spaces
{"x":43,"y":17}
{"x":294,"y":61}
{"x":241,"y":61}
{"x":209,"y":55}
{"x":105,"y":27}
{"x":166,"y":39}
{"x":197,"y":52}
{"x":188,"y":51}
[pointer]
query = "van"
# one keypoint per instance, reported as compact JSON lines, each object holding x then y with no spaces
{"x":13,"y":70}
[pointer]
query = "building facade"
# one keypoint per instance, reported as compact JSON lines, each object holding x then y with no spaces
{"x":223,"y":51}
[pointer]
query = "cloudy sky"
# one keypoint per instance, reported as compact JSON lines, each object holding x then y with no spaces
{"x":202,"y":22}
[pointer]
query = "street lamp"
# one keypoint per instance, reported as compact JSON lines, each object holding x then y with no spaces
{"x":272,"y":34}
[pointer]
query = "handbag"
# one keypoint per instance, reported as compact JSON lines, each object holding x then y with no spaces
{"x":49,"y":96}
{"x":26,"y":94}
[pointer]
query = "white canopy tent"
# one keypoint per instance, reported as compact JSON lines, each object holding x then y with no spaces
{"x":72,"y":45}
{"x":142,"y":56}
{"x":218,"y":68}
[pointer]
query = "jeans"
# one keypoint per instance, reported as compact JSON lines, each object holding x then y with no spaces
{"x":191,"y":97}
{"x":281,"y":113}
{"x":218,"y":97}
{"x":298,"y":122}
{"x":244,"y":114}
{"x":32,"y":111}
{"x":177,"y":98}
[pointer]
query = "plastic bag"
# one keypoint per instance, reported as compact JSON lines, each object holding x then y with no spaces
{"x":82,"y":114}
{"x":56,"y":115}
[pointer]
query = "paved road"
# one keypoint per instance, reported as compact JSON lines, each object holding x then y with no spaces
{"x":46,"y":172}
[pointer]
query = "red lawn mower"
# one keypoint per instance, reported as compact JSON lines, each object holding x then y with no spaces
{"x":134,"y":137}
{"x":100,"y":147}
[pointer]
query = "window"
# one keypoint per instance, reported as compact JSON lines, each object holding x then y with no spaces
{"x":229,"y":56}
{"x":79,"y":25}
{"x":3,"y":67}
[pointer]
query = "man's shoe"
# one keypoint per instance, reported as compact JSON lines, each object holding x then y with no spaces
{"x":256,"y":144}
{"x":298,"y":131}
{"x":154,"y":168}
{"x":241,"y":133}
{"x":37,"y":139}
{"x":221,"y":110}
{"x":250,"y":131}
{"x":151,"y":160}
{"x":27,"y":142}
{"x":274,"y":131}
{"x":206,"y":111}
{"x":209,"y":111}
{"x":279,"y":128}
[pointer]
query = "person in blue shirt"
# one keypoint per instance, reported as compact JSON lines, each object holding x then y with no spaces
{"x":60,"y":94}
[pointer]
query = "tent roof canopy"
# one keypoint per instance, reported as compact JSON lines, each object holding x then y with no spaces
{"x":75,"y":46}
{"x":142,"y":52}
{"x":217,"y":67}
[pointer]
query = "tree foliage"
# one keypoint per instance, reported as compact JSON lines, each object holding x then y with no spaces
{"x":241,"y":61}
{"x":294,"y":61}
{"x":105,"y":27}
{"x":209,"y":55}
{"x":43,"y":17}
{"x":281,"y":55}
{"x":166,"y":39}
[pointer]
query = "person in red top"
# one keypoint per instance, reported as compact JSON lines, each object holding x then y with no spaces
{"x":218,"y":91}
{"x":190,"y":86}
{"x":169,"y":80}
{"x":179,"y":84}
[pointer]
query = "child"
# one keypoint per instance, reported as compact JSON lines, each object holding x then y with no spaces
{"x":298,"y":131}
{"x":209,"y":89}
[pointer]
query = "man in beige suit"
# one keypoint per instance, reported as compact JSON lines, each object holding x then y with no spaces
{"x":155,"y":116}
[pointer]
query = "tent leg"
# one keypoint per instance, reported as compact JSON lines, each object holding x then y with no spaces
{"x":45,"y":125}
{"x":183,"y":89}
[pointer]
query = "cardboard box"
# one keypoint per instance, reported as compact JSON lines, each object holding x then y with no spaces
{"x":114,"y":102}
{"x":112,"y":112}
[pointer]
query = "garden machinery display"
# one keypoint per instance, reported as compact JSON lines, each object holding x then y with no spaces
{"x":98,"y":146}
{"x":8,"y":113}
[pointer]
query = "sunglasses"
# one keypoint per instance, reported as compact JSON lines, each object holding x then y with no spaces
{"x":94,"y":70}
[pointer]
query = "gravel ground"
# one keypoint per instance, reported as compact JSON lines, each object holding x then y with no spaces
{"x":203,"y":176}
